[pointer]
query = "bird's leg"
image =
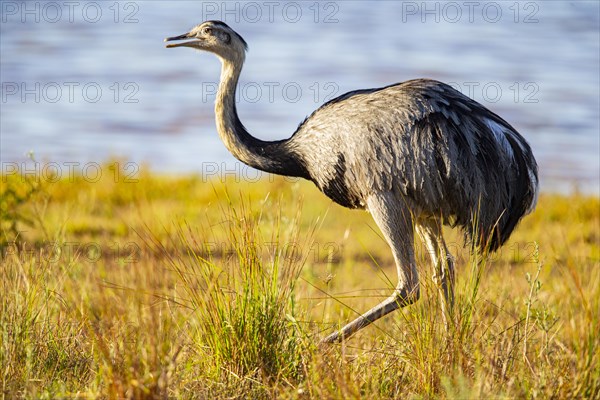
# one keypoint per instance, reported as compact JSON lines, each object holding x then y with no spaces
{"x":430,"y":232}
{"x":400,"y":298}
{"x":395,"y":222}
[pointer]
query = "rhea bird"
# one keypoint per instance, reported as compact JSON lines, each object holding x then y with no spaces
{"x":417,"y":155}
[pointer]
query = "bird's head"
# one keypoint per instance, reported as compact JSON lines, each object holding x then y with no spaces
{"x":214,"y":36}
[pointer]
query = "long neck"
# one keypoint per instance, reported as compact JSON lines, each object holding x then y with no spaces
{"x":275,"y":157}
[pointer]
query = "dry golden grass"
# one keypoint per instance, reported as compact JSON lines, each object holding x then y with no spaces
{"x":178,"y":287}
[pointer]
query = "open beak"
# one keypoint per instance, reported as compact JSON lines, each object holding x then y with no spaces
{"x":180,"y":37}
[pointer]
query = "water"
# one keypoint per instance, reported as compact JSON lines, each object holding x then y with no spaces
{"x":106,"y":86}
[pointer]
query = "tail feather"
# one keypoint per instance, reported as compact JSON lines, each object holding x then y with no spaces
{"x":491,"y":234}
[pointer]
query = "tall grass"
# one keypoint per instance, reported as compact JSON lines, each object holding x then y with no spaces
{"x":41,"y":345}
{"x":226,"y":297}
{"x":242,"y":307}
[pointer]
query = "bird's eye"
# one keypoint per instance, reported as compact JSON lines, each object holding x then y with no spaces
{"x":207,"y":31}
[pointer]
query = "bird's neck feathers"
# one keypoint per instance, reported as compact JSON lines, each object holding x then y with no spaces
{"x":274,"y":157}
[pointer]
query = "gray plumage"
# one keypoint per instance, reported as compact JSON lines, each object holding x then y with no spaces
{"x":417,"y":153}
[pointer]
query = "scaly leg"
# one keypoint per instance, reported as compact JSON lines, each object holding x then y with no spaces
{"x":430,"y":231}
{"x":395,"y":222}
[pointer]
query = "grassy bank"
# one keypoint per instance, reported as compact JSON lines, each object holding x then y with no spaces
{"x":146,"y":286}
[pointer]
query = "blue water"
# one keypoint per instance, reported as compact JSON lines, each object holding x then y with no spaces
{"x":82,"y":83}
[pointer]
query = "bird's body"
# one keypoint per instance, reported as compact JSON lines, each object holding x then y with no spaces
{"x":415,"y":154}
{"x":441,"y":152}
